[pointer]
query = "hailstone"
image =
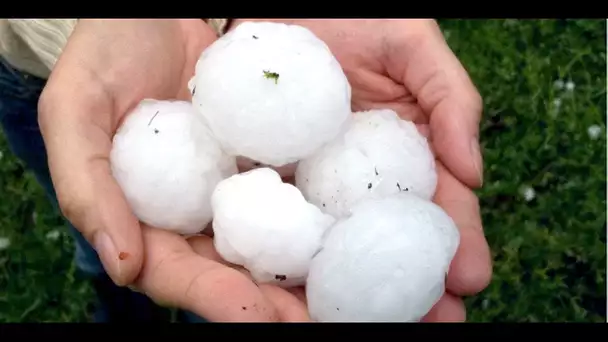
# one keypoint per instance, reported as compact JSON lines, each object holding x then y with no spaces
{"x":271,"y":92}
{"x":267,"y":226}
{"x":167,"y":164}
{"x":380,"y":154}
{"x":387,"y":261}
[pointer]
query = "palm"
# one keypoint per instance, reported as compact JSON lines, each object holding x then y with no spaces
{"x":405,"y":65}
{"x":165,"y":74}
{"x":362,"y":53}
{"x":106,"y":69}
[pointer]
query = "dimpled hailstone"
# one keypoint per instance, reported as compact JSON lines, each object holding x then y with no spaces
{"x":167,"y":164}
{"x":380,"y":154}
{"x":267,"y":226}
{"x":385,"y":262}
{"x":271,"y":92}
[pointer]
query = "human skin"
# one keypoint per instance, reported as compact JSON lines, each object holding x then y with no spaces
{"x":107,"y":68}
{"x":406,"y":65}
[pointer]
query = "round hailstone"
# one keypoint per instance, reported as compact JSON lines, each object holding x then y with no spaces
{"x":387,"y":262}
{"x":267,"y":226}
{"x":167,"y":163}
{"x":380,"y":154}
{"x":271,"y":92}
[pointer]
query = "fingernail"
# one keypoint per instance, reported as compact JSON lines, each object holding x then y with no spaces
{"x":108,"y":254}
{"x":477,"y":160}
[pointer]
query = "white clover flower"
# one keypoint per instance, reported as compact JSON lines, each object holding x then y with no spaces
{"x":4,"y":243}
{"x":53,"y":235}
{"x":594,"y":131}
{"x":529,"y":194}
{"x":570,"y":86}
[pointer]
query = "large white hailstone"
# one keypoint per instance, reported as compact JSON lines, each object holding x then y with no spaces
{"x":167,"y":163}
{"x":387,"y":262}
{"x":267,"y":226}
{"x":271,"y":92}
{"x":380,"y":154}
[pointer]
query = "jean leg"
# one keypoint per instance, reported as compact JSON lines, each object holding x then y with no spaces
{"x":19,"y":94}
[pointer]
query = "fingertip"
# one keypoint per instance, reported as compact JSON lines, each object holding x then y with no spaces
{"x":173,"y":273}
{"x":458,"y":149}
{"x":449,"y":308}
{"x":124,"y":229}
{"x":471,"y":269}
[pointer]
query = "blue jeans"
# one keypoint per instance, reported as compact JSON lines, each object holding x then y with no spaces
{"x":19,"y":94}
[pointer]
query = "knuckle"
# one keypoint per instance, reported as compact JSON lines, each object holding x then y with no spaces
{"x":484,"y":278}
{"x":212,"y":280}
{"x":476,"y":99}
{"x":45,"y":104}
{"x":155,"y":278}
{"x":74,"y":210}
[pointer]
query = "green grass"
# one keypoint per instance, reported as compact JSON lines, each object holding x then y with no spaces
{"x":549,"y":253}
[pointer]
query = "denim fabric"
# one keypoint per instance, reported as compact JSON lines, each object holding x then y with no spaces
{"x":19,"y":93}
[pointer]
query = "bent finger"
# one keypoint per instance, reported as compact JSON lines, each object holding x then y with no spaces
{"x":74,"y":119}
{"x":471,"y":269}
{"x":426,"y":65}
{"x":173,"y":273}
{"x":449,"y":308}
{"x":289,"y":303}
{"x":203,"y":246}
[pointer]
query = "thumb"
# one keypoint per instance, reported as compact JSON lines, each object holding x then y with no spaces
{"x":75,"y":120}
{"x":428,"y":68}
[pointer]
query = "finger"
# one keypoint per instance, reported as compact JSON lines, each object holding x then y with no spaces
{"x":203,"y":246}
{"x":299,"y":292}
{"x":425,"y":131}
{"x":429,"y":69}
{"x":290,"y":308}
{"x":289,"y":303}
{"x":78,"y":145}
{"x":448,"y":309}
{"x":173,"y":273}
{"x":471,"y":268}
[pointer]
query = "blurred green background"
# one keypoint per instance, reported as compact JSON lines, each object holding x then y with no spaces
{"x":543,"y":201}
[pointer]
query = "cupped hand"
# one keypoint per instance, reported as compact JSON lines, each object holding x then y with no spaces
{"x":106,"y":69}
{"x":191,"y":275}
{"x":407,"y":66}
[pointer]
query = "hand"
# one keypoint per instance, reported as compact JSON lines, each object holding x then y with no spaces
{"x":406,"y":65}
{"x":107,"y":67}
{"x":191,"y":275}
